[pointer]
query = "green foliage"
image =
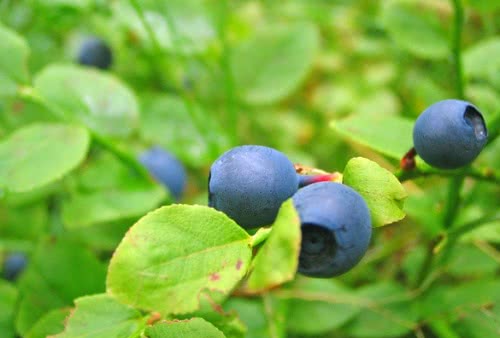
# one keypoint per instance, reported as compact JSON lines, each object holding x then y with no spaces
{"x":381,"y":190}
{"x":102,"y":316}
{"x":59,"y":149}
{"x":177,"y":252}
{"x":335,"y":85}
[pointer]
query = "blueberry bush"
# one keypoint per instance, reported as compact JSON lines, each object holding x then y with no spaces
{"x":197,"y":168}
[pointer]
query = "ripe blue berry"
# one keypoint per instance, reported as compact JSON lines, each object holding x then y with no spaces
{"x":450,"y":134}
{"x":164,"y":167}
{"x":336,"y":228}
{"x":96,"y":53}
{"x":249,"y":183}
{"x":13,"y":265}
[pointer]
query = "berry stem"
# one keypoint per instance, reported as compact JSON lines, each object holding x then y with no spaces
{"x":305,"y":180}
{"x":407,"y":163}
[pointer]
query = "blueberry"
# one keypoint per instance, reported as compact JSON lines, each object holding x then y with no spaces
{"x":96,"y":53}
{"x":249,"y":183}
{"x":13,"y":265}
{"x":450,"y":134}
{"x":164,"y":167}
{"x":336,"y":228}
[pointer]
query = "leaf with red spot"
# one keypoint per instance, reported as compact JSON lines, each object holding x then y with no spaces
{"x":172,"y":255}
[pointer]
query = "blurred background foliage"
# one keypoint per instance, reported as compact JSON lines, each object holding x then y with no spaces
{"x":203,"y":76}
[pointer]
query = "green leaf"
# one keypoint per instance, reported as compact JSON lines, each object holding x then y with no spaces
{"x":489,"y":232}
{"x":415,"y":29}
{"x":173,"y":254}
{"x":59,"y":271}
{"x":8,"y":298}
{"x":26,"y":222}
{"x":39,"y":154}
{"x":381,"y":190}
{"x":389,"y":135}
{"x":387,"y":312}
{"x":457,"y":300}
{"x":469,"y":261}
{"x":264,"y":317}
{"x":190,"y":328}
{"x":102,"y":236}
{"x":51,"y":323}
{"x":13,"y":61}
{"x":75,"y":4}
{"x":480,"y":324}
{"x":99,"y":100}
{"x":100,"y":316}
{"x":277,"y":260}
{"x":478,"y":62}
{"x":270,"y":66}
{"x":83,"y":210}
{"x":325,"y":300}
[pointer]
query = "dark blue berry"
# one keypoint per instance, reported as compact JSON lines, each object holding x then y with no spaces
{"x":96,"y":53}
{"x":13,"y":265}
{"x":249,"y":183}
{"x":450,"y":134}
{"x":165,"y":168}
{"x":336,"y":228}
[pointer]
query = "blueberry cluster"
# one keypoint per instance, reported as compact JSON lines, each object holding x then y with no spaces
{"x":249,"y":183}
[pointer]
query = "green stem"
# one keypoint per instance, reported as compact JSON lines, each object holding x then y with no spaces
{"x":493,"y":128}
{"x":453,"y":200}
{"x":442,"y":329}
{"x":456,"y":47}
{"x":485,"y":174}
{"x":449,"y":240}
{"x":155,"y":59}
{"x":30,"y":94}
{"x":229,"y":85}
{"x":456,"y":182}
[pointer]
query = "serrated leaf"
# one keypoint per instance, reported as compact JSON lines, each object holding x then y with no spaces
{"x":387,"y":311}
{"x":174,"y":253}
{"x":277,"y":260}
{"x":274,"y":63}
{"x":327,"y":301}
{"x":38,"y":154}
{"x":8,"y":299}
{"x":83,"y":210}
{"x":389,"y":135}
{"x":99,"y":100}
{"x":190,"y":328}
{"x":13,"y":61}
{"x":381,"y":190}
{"x":58,"y":272}
{"x":51,"y":323}
{"x":101,"y":316}
{"x":415,"y":29}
